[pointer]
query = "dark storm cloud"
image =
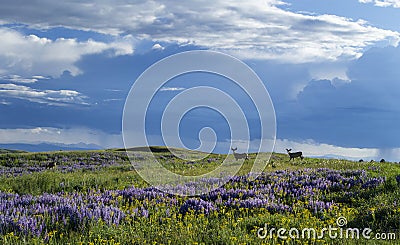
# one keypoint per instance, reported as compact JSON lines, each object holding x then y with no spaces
{"x":363,"y":112}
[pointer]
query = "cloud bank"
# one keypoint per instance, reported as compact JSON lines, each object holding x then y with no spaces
{"x":383,"y":3}
{"x":253,"y":29}
{"x":49,"y":97}
{"x":30,"y":55}
{"x":60,"y":135}
{"x":87,"y":136}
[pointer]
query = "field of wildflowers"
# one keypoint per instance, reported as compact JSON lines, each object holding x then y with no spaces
{"x":97,"y":198}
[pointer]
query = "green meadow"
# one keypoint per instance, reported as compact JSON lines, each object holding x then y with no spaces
{"x":96,"y":197}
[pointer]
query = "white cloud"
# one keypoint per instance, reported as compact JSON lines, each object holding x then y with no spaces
{"x":171,"y":89}
{"x":112,"y":100}
{"x":39,"y":130}
{"x":250,"y":29}
{"x":383,"y":3}
{"x":157,"y":46}
{"x":31,"y":55}
{"x":330,"y":71}
{"x":4,"y":102}
{"x":312,"y":148}
{"x":50,"y":97}
{"x":60,"y":135}
{"x":19,"y":79}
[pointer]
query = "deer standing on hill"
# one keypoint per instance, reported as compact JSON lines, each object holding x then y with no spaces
{"x":294,"y":154}
{"x":239,"y":155}
{"x":51,"y":165}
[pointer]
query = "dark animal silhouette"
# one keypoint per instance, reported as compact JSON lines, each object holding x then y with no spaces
{"x":360,"y":160}
{"x":382,"y":160}
{"x":51,"y":165}
{"x":239,"y":155}
{"x":294,"y":154}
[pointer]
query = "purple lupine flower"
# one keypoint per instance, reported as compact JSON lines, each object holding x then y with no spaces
{"x":373,"y":182}
{"x":145,"y":213}
{"x":197,"y":205}
{"x":398,"y":179}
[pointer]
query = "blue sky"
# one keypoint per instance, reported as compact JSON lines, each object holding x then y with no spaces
{"x":331,"y":68}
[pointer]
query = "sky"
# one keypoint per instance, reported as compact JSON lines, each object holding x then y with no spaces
{"x":330,"y":67}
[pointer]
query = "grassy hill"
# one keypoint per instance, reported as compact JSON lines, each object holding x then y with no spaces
{"x":3,"y":151}
{"x":98,"y":197}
